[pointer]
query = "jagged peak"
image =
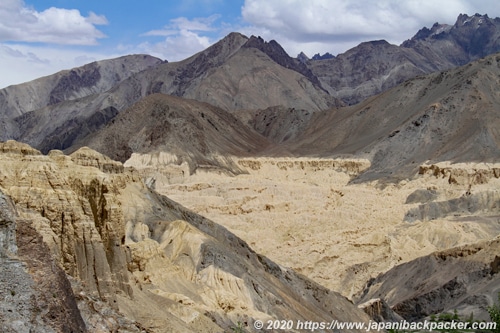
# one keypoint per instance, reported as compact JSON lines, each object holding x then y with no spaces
{"x":325,"y":56}
{"x":302,"y":57}
{"x":271,"y":47}
{"x":464,"y":19}
{"x":436,"y":29}
{"x":278,"y":54}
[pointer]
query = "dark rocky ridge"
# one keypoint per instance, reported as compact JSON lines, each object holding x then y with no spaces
{"x":279,"y":55}
{"x":373,"y":67}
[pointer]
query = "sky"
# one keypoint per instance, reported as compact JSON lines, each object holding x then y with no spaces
{"x":42,"y":37}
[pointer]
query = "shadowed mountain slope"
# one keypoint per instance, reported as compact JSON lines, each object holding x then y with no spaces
{"x":464,"y":279}
{"x":193,"y":132}
{"x":452,"y":115}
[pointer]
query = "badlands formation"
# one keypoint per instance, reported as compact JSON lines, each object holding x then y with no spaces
{"x":86,"y":246}
{"x":308,"y":214}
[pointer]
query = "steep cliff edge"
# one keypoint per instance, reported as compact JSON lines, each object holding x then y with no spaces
{"x":139,"y":260}
{"x":36,"y":294}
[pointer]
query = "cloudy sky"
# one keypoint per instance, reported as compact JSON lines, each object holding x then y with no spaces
{"x":41,"y":37}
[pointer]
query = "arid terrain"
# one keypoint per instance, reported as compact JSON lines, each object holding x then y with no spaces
{"x":242,"y":184}
{"x":306,"y":214}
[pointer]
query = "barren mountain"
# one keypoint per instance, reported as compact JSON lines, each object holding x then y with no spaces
{"x":240,"y":73}
{"x":232,"y":74}
{"x":237,"y":73}
{"x":445,"y":116}
{"x":189,"y":131}
{"x":94,"y":78}
{"x":373,"y":67}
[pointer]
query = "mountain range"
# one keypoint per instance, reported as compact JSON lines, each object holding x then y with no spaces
{"x":240,"y":74}
{"x":390,"y":113}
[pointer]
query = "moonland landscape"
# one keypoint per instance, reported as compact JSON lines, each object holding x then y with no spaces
{"x":243,"y":185}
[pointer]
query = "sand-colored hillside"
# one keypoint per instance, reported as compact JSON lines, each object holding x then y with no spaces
{"x":304,"y":213}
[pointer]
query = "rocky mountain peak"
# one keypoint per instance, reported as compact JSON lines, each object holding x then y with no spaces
{"x":199,"y":64}
{"x":475,"y":36}
{"x":464,"y":19}
{"x":302,"y":57}
{"x":325,"y":56}
{"x":272,"y":48}
{"x":276,"y":52}
{"x":435,"y":30}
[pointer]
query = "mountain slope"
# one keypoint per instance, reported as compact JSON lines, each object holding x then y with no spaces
{"x":63,"y":87}
{"x":470,"y":38}
{"x":373,"y":67}
{"x":240,"y":73}
{"x":464,"y":279}
{"x":226,"y":74}
{"x":368,"y":69}
{"x":194,"y":132}
{"x":93,"y":78}
{"x":452,"y":115}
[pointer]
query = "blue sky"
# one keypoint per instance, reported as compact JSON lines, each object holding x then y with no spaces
{"x":41,"y":37}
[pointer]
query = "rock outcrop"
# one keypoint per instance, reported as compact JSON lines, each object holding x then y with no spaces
{"x":36,"y":294}
{"x":463,"y":278}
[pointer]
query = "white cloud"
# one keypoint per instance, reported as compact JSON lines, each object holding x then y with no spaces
{"x":20,"y":23}
{"x":180,"y":46}
{"x":337,"y":25}
{"x":184,"y":38}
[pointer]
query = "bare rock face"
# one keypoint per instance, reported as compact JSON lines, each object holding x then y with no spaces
{"x":138,"y":260}
{"x":462,"y":279}
{"x":36,"y":294}
{"x":379,"y":310}
{"x":8,"y":245}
